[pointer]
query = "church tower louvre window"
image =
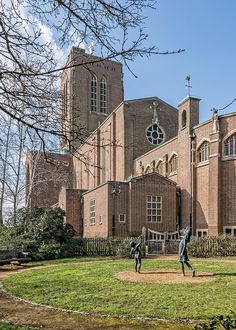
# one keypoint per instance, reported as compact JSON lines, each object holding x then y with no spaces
{"x":103,"y":95}
{"x":94,"y":94}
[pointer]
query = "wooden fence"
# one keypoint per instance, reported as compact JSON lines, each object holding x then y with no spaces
{"x":97,"y":246}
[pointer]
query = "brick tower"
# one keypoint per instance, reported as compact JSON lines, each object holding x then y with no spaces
{"x":188,"y":118}
{"x":91,"y":89}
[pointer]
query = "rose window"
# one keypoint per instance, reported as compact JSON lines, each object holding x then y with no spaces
{"x":155,"y":134}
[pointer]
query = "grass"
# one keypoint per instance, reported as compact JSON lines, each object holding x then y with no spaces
{"x":9,"y":326}
{"x":91,"y":287}
{"x":68,"y":260}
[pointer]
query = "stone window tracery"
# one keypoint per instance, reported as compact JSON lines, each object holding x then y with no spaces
{"x":155,"y":134}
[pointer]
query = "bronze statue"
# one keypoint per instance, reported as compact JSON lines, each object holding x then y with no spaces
{"x":183,"y":254}
{"x":136,"y":250}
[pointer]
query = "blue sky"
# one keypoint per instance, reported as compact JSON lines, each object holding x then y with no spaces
{"x":206,"y":29}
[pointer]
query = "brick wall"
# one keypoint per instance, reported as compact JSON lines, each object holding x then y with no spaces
{"x":101,"y":226}
{"x":70,"y":201}
{"x":129,"y":199}
{"x":156,"y":185}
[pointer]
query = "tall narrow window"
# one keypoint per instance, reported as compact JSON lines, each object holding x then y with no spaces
{"x":92,"y":211}
{"x":159,"y":167}
{"x":103,"y":163}
{"x":94,"y":94}
{"x":184,"y":120}
{"x":103,"y":96}
{"x":230,"y":146}
{"x":148,"y":169}
{"x":173,"y":164}
{"x":203,"y":152}
{"x":64,"y":108}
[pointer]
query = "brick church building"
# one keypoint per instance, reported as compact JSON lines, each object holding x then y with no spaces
{"x":144,"y":163}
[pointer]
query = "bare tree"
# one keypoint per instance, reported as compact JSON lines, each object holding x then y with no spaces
{"x":28,"y":68}
{"x":5,"y":138}
{"x":31,"y":35}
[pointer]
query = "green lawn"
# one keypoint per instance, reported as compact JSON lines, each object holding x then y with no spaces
{"x":92,"y":287}
{"x":9,"y":326}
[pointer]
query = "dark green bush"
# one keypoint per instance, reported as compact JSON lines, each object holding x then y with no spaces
{"x":72,"y":248}
{"x":41,"y":225}
{"x":219,"y":322}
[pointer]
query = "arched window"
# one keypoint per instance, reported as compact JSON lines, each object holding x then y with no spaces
{"x":184,"y":119}
{"x":148,"y":169}
{"x":103,"y":96}
{"x":203,"y":152}
{"x":173,"y":163}
{"x":159,"y":167}
{"x":93,"y":94}
{"x":230,"y":146}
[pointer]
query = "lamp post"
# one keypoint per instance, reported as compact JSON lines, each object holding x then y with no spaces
{"x":115,"y":190}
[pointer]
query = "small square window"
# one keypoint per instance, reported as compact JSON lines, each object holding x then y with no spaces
{"x":202,"y":232}
{"x":228,"y":231}
{"x":122,"y":218}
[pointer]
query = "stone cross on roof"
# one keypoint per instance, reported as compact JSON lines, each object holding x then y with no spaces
{"x":154,"y":107}
{"x":188,"y":86}
{"x":91,"y":48}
